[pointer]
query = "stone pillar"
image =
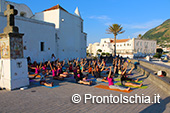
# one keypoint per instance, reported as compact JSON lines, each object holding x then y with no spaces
{"x":13,"y":67}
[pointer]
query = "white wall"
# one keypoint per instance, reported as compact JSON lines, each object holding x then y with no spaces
{"x":22,"y":8}
{"x":106,"y":46}
{"x":34,"y":33}
{"x":51,"y":16}
{"x":13,"y":76}
{"x":145,"y":46}
{"x":89,"y":48}
{"x":83,"y":42}
{"x":94,"y":48}
{"x":127,"y":48}
{"x":71,"y":42}
{"x":2,"y":5}
{"x":70,"y":36}
{"x":125,"y":45}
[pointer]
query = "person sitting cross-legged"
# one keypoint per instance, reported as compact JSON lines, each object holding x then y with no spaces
{"x":79,"y":77}
{"x":43,"y":81}
{"x":54,"y":73}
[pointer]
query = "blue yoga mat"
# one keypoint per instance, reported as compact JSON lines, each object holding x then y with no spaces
{"x":104,"y":82}
{"x":38,"y":84}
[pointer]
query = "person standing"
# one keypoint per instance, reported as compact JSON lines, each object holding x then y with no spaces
{"x":53,"y":58}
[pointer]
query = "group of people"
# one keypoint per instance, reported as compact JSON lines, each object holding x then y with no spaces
{"x":83,"y":70}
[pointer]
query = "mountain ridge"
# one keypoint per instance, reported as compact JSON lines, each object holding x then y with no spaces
{"x":160,"y":33}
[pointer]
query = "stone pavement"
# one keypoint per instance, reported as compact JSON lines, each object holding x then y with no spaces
{"x":42,"y":99}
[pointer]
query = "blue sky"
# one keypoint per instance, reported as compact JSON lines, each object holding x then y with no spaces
{"x":135,"y":16}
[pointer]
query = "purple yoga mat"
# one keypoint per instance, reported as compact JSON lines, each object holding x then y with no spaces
{"x":32,"y":80}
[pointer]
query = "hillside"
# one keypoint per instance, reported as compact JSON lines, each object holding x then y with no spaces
{"x":160,"y":33}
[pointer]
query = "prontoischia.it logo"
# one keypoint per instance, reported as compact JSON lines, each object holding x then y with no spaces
{"x":143,"y":99}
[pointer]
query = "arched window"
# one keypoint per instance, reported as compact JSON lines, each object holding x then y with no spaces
{"x":23,"y":14}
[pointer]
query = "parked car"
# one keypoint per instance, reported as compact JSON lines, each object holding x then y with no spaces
{"x":151,"y":56}
{"x":164,"y":57}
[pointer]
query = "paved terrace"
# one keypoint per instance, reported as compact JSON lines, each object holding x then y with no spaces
{"x":42,"y":99}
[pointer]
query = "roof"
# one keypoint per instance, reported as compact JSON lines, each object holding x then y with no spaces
{"x":55,"y":7}
{"x":119,"y":41}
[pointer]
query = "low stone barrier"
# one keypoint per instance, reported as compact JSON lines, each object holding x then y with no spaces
{"x":161,"y":82}
{"x":153,"y":66}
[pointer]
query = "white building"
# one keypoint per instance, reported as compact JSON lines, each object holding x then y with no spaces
{"x":54,"y":30}
{"x":125,"y":47}
{"x":92,"y":48}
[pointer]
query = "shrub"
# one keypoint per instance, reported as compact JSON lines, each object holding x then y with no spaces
{"x":103,"y":53}
{"x":157,"y":55}
{"x":108,"y":54}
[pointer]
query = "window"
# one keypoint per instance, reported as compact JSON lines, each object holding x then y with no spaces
{"x":137,"y":44}
{"x":56,"y":37}
{"x":23,"y":14}
{"x":124,"y":44}
{"x":128,"y":44}
{"x":104,"y":41}
{"x":82,"y":27}
{"x":42,"y":46}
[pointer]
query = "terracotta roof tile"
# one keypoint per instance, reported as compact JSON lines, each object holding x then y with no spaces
{"x":119,"y":41}
{"x":55,"y":7}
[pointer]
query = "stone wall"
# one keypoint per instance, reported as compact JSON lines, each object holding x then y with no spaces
{"x":153,"y":66}
{"x":161,"y":82}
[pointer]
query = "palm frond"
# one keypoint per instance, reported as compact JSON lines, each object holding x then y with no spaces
{"x":115,"y":29}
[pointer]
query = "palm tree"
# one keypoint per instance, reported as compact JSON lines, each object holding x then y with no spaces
{"x":115,"y":29}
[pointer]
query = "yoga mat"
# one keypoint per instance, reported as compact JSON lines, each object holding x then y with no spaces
{"x":38,"y":84}
{"x":92,"y":79}
{"x":142,"y":87}
{"x":72,"y":77}
{"x":32,"y":75}
{"x":81,"y":84}
{"x":107,"y":87}
{"x":101,"y":81}
{"x":32,"y":80}
{"x":104,"y":82}
{"x":118,"y":79}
